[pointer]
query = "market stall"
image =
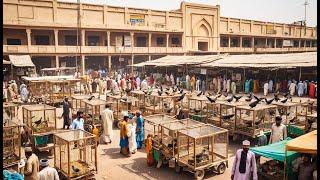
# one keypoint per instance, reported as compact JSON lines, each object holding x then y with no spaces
{"x":11,"y":109}
{"x":93,"y":109}
{"x":278,"y":162}
{"x":75,"y":154}
{"x":203,"y":148}
{"x":38,"y":89}
{"x":58,"y":91}
{"x":197,"y":107}
{"x":250,"y":121}
{"x":22,"y":65}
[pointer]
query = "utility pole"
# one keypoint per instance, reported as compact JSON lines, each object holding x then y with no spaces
{"x":305,"y":16}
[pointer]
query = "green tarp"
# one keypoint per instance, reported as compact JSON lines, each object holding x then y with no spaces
{"x":277,"y":152}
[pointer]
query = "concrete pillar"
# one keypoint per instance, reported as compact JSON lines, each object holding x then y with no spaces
{"x":240,"y":41}
{"x":149,"y":42}
{"x":83,"y":37}
{"x":149,"y":58}
{"x":132,"y":57}
{"x":299,"y":43}
{"x":310,"y":43}
{"x":28,"y":37}
{"x":167,"y":41}
{"x":82,"y":65}
{"x":109,"y":63}
{"x":266,"y":45}
{"x":252,"y":42}
{"x":56,"y":37}
{"x":57,"y":61}
{"x":282,"y":43}
{"x":305,"y":44}
{"x":132,"y":39}
{"x":108,"y":38}
{"x":229,"y":42}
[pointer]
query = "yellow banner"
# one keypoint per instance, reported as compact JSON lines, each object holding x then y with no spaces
{"x":270,"y":29}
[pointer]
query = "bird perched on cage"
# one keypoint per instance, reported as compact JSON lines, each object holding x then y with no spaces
{"x":250,"y":95}
{"x":161,"y":88}
{"x":230,"y":99}
{"x":286,"y":94}
{"x":276,"y":98}
{"x":167,"y":89}
{"x":74,"y":169}
{"x":159,"y":93}
{"x":181,"y":97}
{"x":212,"y":100}
{"x":237,"y":98}
{"x":227,"y":117}
{"x":254,"y":104}
{"x":219,"y":95}
{"x":284,"y":100}
{"x":268,"y":101}
{"x":199,"y":94}
{"x":181,"y":91}
{"x":248,"y":99}
{"x":90,"y":98}
{"x":170,"y":110}
{"x":197,"y":110}
{"x":292,"y":120}
{"x":249,"y":123}
{"x":167,"y":93}
{"x":257,"y":98}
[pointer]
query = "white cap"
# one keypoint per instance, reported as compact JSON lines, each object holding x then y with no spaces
{"x":246,"y":143}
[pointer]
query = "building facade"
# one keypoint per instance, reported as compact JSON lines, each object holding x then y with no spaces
{"x":68,"y":34}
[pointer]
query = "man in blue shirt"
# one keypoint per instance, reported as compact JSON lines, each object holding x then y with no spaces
{"x":78,"y":122}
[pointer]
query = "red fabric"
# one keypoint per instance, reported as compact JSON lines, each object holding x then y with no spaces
{"x":133,"y":84}
{"x":312,"y":90}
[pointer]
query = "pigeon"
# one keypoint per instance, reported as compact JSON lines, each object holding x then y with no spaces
{"x":145,"y":92}
{"x":225,"y":94}
{"x":199,"y":94}
{"x":161,"y":88}
{"x":159,"y":93}
{"x":219,"y":95}
{"x":227,"y":117}
{"x":258,"y":99}
{"x":181,"y":91}
{"x":230,"y":99}
{"x":197,"y":110}
{"x":90,"y":98}
{"x":286,"y":94}
{"x":174,"y":90}
{"x":249,"y":123}
{"x":237,"y":98}
{"x":181,"y":97}
{"x":168,"y":89}
{"x":38,"y":122}
{"x":269,"y":101}
{"x":292,"y":120}
{"x":211,"y":100}
{"x":169,"y":110}
{"x":284,"y":100}
{"x":74,"y":169}
{"x":250,"y":95}
{"x":166,"y":93}
{"x":276,"y":98}
{"x":310,"y":103}
{"x":248,"y":99}
{"x":253,"y":104}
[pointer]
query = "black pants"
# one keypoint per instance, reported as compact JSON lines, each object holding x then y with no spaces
{"x":66,"y":121}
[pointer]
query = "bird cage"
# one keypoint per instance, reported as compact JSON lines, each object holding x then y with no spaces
{"x":152,"y":124}
{"x":74,"y":86}
{"x":287,"y":110}
{"x":140,"y":95}
{"x":169,"y":131}
{"x":213,"y":114}
{"x":76,"y":102}
{"x":40,"y":118}
{"x":250,"y":121}
{"x":10,"y":109}
{"x":227,"y":114}
{"x":75,"y":154}
{"x":93,"y":108}
{"x":311,"y":119}
{"x":119,"y":106}
{"x":58,"y":90}
{"x":197,"y":107}
{"x":162,"y":103}
{"x":37,"y":89}
{"x":203,"y":148}
{"x":11,"y":145}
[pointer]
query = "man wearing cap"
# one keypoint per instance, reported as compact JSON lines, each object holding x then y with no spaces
{"x":47,"y":173}
{"x":140,"y":130}
{"x":32,"y":165}
{"x":244,"y":164}
{"x":278,"y":131}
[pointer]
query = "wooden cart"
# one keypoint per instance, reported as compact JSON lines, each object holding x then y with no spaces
{"x":11,"y":145}
{"x":249,"y":121}
{"x":41,"y":120}
{"x":202,"y":148}
{"x":37,"y":89}
{"x":75,"y":154}
{"x":197,"y":108}
{"x":94,"y":107}
{"x":152,"y":124}
{"x":11,"y":109}
{"x":161,"y":104}
{"x":213,"y":114}
{"x":168,"y":138}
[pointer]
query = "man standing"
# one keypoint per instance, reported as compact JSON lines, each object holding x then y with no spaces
{"x":300,"y":88}
{"x":193,"y":83}
{"x":140,"y":130}
{"x":107,"y":119}
{"x":47,"y":173}
{"x":265,"y":88}
{"x":244,"y":164}
{"x":32,"y":165}
{"x":292,"y":88}
{"x":188,"y":82}
{"x":66,"y":113}
{"x":78,"y":122}
{"x":278,"y":131}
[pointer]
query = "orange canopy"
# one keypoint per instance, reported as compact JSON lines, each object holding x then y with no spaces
{"x":304,"y":144}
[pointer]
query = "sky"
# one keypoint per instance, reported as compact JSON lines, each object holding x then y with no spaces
{"x":280,"y":11}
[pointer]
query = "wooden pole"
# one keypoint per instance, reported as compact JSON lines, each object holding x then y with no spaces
{"x":300,"y":74}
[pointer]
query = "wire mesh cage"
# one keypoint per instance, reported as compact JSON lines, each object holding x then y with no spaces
{"x":227,"y":115}
{"x":152,"y":125}
{"x":94,"y":108}
{"x":169,"y":132}
{"x":37,"y":88}
{"x":119,"y":105}
{"x":197,"y":107}
{"x":199,"y":147}
{"x":10,"y":111}
{"x":40,"y":118}
{"x":163,"y":103}
{"x":58,"y":90}
{"x":213,"y":114}
{"x":11,"y":144}
{"x":76,"y":102}
{"x":75,"y":153}
{"x":249,"y":121}
{"x":287,"y":111}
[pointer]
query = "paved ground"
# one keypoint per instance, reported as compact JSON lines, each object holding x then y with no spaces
{"x":113,"y":165}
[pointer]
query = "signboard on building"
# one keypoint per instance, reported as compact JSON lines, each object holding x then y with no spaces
{"x":203,"y":71}
{"x":127,"y":41}
{"x":137,"y":19}
{"x":270,"y":29}
{"x":287,"y":43}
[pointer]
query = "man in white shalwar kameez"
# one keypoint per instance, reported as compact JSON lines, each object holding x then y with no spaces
{"x":132,"y":136}
{"x":107,"y":119}
{"x":265,"y":88}
{"x":292,"y":88}
{"x":244,"y":164}
{"x":172,"y":79}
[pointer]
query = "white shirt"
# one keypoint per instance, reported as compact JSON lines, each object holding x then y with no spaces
{"x":278,"y":133}
{"x":48,"y":173}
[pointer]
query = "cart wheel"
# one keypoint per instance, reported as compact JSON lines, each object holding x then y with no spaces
{"x":221,"y":168}
{"x":177,"y":168}
{"x":199,"y":174}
